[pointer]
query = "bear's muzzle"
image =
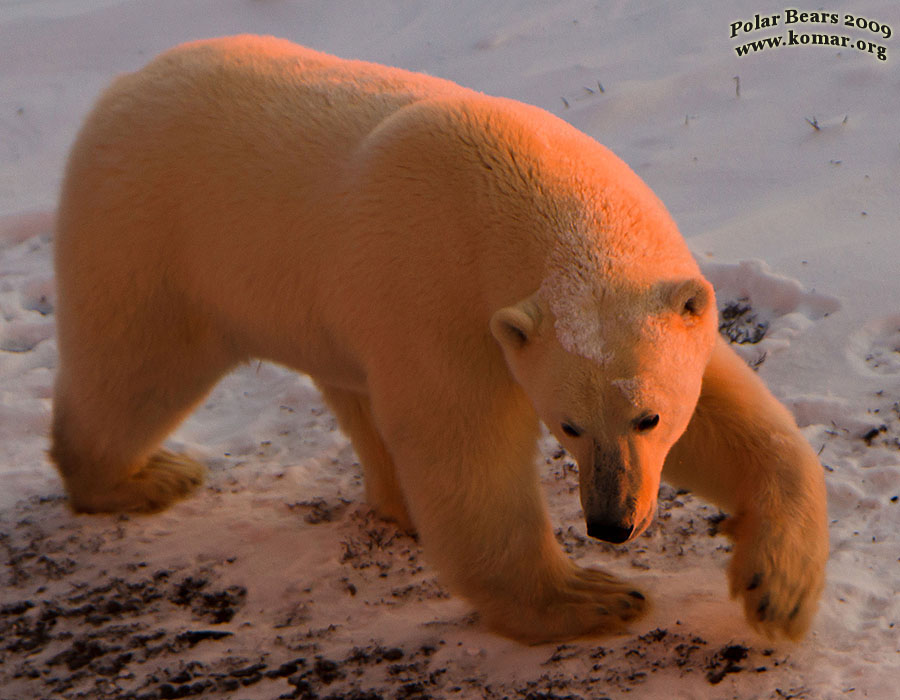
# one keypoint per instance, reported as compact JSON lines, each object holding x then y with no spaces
{"x":609,"y":496}
{"x":615,"y":533}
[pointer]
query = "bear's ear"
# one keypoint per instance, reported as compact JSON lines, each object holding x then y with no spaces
{"x":514,"y":326}
{"x":690,"y":298}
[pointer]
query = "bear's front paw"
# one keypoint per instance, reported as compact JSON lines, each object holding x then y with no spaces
{"x":779,"y":571}
{"x":585,"y":602}
{"x":165,"y":478}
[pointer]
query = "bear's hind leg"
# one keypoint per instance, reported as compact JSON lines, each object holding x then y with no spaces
{"x":354,"y":415}
{"x":112,"y":408}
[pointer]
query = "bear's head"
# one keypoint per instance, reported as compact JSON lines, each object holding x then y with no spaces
{"x":614,"y":374}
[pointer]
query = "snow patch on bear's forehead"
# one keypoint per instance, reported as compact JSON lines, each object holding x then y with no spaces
{"x":586,"y":326}
{"x":579,"y":287}
{"x":634,"y":390}
{"x":578,"y":325}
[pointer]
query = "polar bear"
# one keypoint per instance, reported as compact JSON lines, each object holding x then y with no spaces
{"x":452,"y":269}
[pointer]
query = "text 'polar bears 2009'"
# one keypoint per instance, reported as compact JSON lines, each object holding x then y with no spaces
{"x":808,"y":29}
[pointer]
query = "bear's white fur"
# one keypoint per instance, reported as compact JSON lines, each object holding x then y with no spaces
{"x":450,"y":268}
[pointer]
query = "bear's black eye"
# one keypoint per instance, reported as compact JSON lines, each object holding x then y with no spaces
{"x":646,"y":423}
{"x":571,"y":430}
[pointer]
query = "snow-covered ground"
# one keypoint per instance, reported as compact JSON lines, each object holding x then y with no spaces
{"x":782,"y":168}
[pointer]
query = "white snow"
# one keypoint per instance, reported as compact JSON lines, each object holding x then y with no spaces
{"x":800,"y":222}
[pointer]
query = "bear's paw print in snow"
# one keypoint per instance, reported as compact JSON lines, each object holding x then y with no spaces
{"x":760,"y":311}
{"x":875,"y":348}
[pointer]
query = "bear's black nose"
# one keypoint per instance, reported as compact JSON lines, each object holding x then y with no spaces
{"x":609,"y":532}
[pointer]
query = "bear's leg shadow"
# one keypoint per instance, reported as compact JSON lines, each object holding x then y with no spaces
{"x":466,"y":466}
{"x":743,"y":451}
{"x":354,"y":415}
{"x":123,"y":385}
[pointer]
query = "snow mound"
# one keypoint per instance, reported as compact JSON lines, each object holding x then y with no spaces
{"x":762,"y":309}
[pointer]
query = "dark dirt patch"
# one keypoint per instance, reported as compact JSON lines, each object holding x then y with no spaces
{"x":215,"y":606}
{"x":99,"y":631}
{"x":319,"y":510}
{"x":724,"y":661}
{"x":740,"y":324}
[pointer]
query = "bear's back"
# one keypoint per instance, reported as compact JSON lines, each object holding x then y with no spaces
{"x":221,"y":168}
{"x":267,"y":77}
{"x":238,"y":97}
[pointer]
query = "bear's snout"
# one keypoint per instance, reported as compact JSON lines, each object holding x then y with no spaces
{"x":615,"y":508}
{"x":615,"y":533}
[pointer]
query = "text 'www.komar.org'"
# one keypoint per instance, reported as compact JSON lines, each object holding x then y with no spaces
{"x":803,"y":34}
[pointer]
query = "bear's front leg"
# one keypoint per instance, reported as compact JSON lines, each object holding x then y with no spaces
{"x":469,"y":477}
{"x":354,"y":415}
{"x":743,"y":451}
